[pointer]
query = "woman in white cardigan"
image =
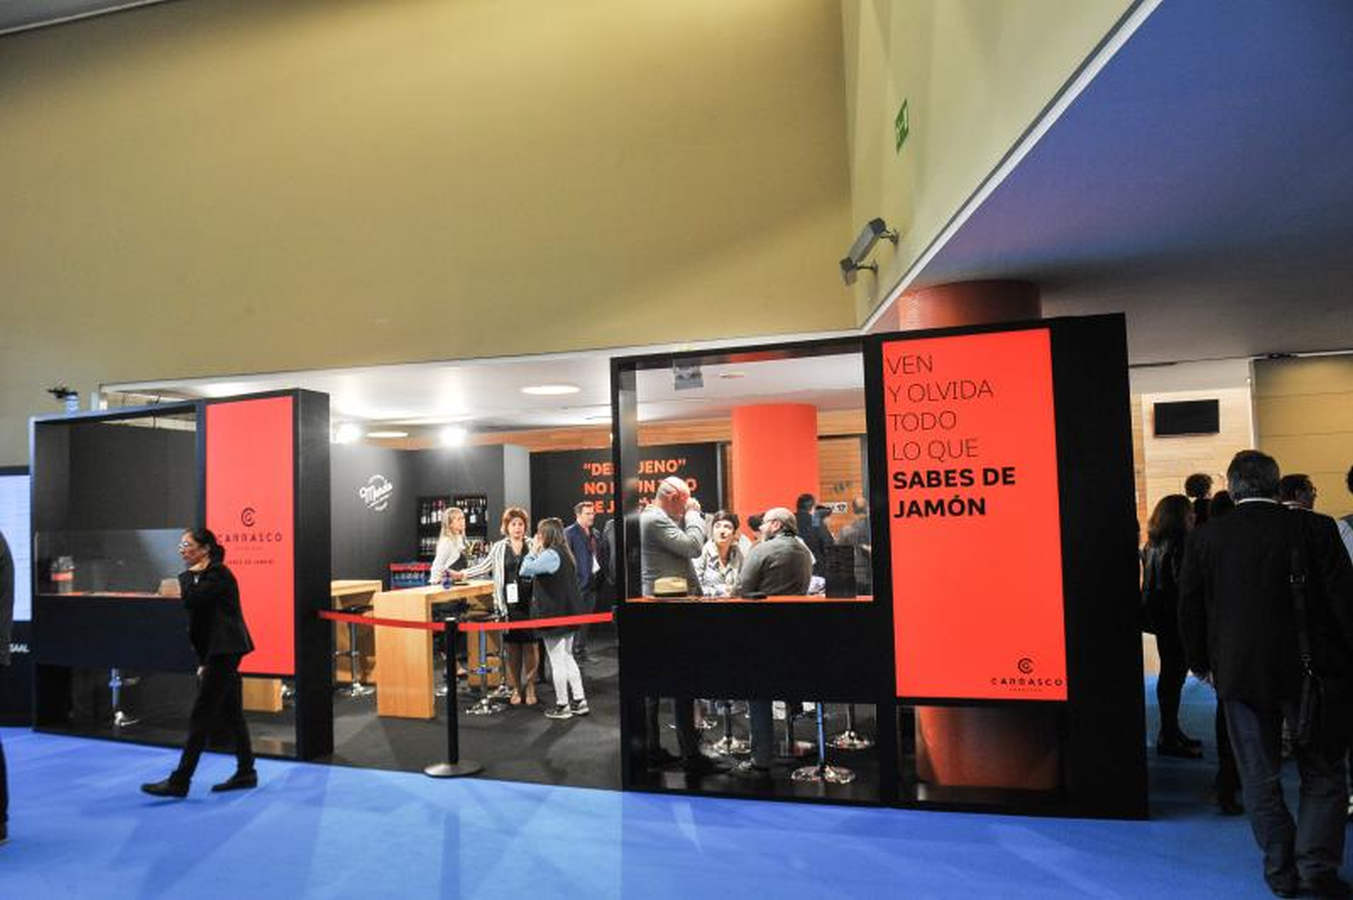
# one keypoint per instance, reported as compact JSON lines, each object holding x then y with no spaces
{"x":512,"y":598}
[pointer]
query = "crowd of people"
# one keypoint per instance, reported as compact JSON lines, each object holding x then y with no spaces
{"x":684,"y":552}
{"x":1252,"y":591}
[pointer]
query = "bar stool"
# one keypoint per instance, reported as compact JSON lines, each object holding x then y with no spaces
{"x":354,"y":655}
{"x":120,"y":717}
{"x":794,"y":747}
{"x":709,"y":716}
{"x":822,"y":773}
{"x":729,"y":745}
{"x":486,"y":705}
{"x":850,"y":739}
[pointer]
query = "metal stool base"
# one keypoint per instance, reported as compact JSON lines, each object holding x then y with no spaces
{"x":827,"y":774}
{"x":453,"y":770}
{"x":485,"y":707}
{"x":731,"y":746}
{"x":357,"y":690}
{"x":122,"y":720}
{"x":850,"y":740}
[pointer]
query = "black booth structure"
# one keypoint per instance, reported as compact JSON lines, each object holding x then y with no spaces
{"x":111,"y":492}
{"x":1000,"y":650}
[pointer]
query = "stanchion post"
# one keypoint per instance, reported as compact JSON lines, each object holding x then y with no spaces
{"x":454,"y":767}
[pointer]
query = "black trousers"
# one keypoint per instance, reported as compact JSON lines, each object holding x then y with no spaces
{"x":688,"y":739}
{"x":4,"y":787}
{"x":1313,"y":845}
{"x":219,"y":703}
{"x":1173,"y":670}
{"x":580,"y":636}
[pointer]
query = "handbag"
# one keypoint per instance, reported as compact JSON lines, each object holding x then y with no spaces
{"x":1145,"y":615}
{"x":1311,"y":709}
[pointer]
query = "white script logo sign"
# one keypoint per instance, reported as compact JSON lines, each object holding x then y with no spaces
{"x":376,"y":493}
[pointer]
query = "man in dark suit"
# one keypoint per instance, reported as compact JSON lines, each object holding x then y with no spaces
{"x":6,"y":622}
{"x":1240,"y":630}
{"x":589,"y":552}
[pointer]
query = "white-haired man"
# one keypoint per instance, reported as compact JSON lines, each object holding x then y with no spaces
{"x":671,"y":538}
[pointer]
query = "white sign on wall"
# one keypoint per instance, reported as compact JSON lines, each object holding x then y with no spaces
{"x":376,"y":493}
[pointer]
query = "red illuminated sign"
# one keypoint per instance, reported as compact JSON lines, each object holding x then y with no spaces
{"x":250,"y":505}
{"x":973,"y":517}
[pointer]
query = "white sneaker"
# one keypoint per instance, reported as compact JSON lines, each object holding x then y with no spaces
{"x":559,"y":712}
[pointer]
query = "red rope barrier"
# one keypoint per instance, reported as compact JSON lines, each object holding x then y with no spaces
{"x":556,"y":622}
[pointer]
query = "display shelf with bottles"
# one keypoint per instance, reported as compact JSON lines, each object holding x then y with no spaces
{"x":431,"y":511}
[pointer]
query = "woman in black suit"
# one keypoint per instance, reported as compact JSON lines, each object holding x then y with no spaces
{"x":217,"y":631}
{"x":1162,"y":557}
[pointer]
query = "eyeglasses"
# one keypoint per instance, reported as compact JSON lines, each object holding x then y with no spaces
{"x":185,"y":545}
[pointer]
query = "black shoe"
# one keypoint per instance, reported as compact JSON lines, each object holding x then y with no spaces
{"x":1282,"y":886}
{"x":1188,"y":741}
{"x":167,"y":788}
{"x":661,"y":759}
{"x":238,"y":782}
{"x":701,"y":765}
{"x":4,"y":832}
{"x":751,"y":771}
{"x":1326,"y":884}
{"x":1176,"y":748}
{"x":1230,"y":806}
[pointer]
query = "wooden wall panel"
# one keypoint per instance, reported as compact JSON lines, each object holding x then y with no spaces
{"x":1167,"y":461}
{"x":1304,"y":419}
{"x":842,"y":475}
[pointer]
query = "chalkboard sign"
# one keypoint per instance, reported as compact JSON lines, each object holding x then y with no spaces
{"x":561,"y":478}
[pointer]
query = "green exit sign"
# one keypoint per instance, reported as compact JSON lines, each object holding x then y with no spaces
{"x":901,"y":127}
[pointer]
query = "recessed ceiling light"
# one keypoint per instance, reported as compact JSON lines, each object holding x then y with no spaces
{"x":387,"y":434}
{"x":549,"y":390}
{"x":347,"y":433}
{"x":228,"y":388}
{"x":732,"y":374}
{"x":453,"y":436}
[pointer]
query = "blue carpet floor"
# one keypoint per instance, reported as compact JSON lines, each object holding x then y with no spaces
{"x":80,"y":828}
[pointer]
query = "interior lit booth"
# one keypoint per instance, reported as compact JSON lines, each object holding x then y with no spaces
{"x":991,"y":660}
{"x":111,"y":494}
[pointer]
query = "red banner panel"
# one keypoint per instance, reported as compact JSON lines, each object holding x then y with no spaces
{"x":251,"y":507}
{"x":973,"y":517}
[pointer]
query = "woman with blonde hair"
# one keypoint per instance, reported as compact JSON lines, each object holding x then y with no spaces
{"x":451,"y":545}
{"x":512,"y":599}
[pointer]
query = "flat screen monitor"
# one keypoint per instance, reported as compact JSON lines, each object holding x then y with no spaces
{"x":1187,"y":417}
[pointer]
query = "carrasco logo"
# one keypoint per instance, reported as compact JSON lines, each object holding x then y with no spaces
{"x":247,"y":517}
{"x":376,"y":493}
{"x":1026,"y":679}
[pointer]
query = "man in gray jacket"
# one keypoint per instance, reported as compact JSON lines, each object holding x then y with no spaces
{"x":781,"y":565}
{"x":671,"y":538}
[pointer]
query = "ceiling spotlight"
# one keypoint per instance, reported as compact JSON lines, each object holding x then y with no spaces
{"x":387,"y":434}
{"x":550,"y":390}
{"x":347,"y":433}
{"x":686,"y":378}
{"x":453,"y":436}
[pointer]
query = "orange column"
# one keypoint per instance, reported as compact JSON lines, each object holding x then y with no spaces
{"x":774,"y":453}
{"x":1008,"y":747}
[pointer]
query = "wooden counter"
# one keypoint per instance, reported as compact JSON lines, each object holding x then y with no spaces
{"x":265,"y":694}
{"x":405,"y":654}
